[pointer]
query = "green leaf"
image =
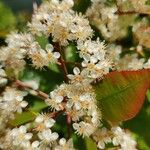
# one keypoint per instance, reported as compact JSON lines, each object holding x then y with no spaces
{"x":148,"y":95}
{"x":140,"y":126}
{"x":42,"y":40}
{"x":54,"y":67}
{"x":90,"y":144}
{"x":7,"y":20}
{"x":121,"y":94}
{"x":29,"y":115}
{"x":38,"y":105}
{"x":71,"y":53}
{"x":78,"y":142}
{"x":22,"y":118}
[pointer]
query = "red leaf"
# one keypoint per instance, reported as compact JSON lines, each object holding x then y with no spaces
{"x":121,"y":94}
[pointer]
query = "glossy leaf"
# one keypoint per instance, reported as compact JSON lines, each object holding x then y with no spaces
{"x":29,"y":115}
{"x":120,"y":95}
{"x":22,"y":118}
{"x":90,"y":144}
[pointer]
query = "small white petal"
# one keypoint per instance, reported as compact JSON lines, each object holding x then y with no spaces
{"x":93,"y":59}
{"x":108,"y":140}
{"x":76,"y":126}
{"x":56,"y":55}
{"x":101,"y":145}
{"x":28,"y":136}
{"x":59,"y":99}
{"x":39,"y":119}
{"x":54,"y":136}
{"x":23,"y":129}
{"x":77,"y":106}
{"x":69,"y":104}
{"x":87,"y":57}
{"x":84,"y":64}
{"x":26,"y":144}
{"x":2,"y":73}
{"x":19,"y":98}
{"x":56,"y":2}
{"x":69,"y":2}
{"x":115,"y":141}
{"x":3,"y":82}
{"x":76,"y":71}
{"x":82,"y":98}
{"x":49,"y":47}
{"x":35,"y":144}
{"x":62,"y":141}
{"x":49,"y":123}
{"x":47,"y":133}
{"x":70,"y":76}
{"x":23,"y":104}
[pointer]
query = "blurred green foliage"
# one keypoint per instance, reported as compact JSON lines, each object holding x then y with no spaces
{"x":7,"y":20}
{"x":11,"y":21}
{"x":147,"y":2}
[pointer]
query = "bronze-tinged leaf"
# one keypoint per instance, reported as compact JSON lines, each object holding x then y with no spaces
{"x":121,"y":94}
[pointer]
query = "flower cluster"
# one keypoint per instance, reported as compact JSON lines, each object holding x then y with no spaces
{"x":123,"y":139}
{"x":11,"y":101}
{"x":117,"y":136}
{"x":109,"y":20}
{"x":21,"y":46}
{"x":74,"y":99}
{"x":57,"y":19}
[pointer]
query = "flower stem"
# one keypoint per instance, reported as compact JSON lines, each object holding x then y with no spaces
{"x":39,"y":93}
{"x":69,"y":125}
{"x":62,"y":62}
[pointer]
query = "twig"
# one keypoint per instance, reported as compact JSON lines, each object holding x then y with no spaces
{"x":26,"y":86}
{"x":61,"y":61}
{"x":68,"y":125}
{"x":126,"y":12}
{"x":74,"y":63}
{"x":56,"y":113}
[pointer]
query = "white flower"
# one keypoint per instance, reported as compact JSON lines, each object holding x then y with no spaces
{"x":40,"y":57}
{"x":69,"y":2}
{"x":102,"y":136}
{"x":47,"y":136}
{"x":76,"y":77}
{"x":83,"y":128}
{"x":65,"y":145}
{"x":101,"y":145}
{"x":21,"y":137}
{"x":95,"y":61}
{"x":35,"y":145}
{"x":13,"y":55}
{"x":56,"y":97}
{"x":49,"y":47}
{"x":130,"y":62}
{"x":44,"y":122}
{"x":13,"y":99}
{"x":71,"y":26}
{"x":106,"y":19}
{"x":123,"y":139}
